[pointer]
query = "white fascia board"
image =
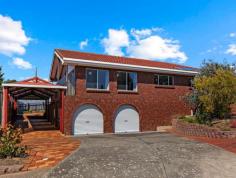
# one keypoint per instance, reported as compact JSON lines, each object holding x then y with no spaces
{"x":62,"y":62}
{"x":32,"y":86}
{"x":59,"y":57}
{"x":83,"y":62}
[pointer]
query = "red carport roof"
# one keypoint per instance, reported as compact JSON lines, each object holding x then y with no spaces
{"x":34,"y":82}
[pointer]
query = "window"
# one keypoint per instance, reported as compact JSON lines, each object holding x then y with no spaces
{"x":127,"y":81}
{"x":71,"y":81}
{"x":97,"y":79}
{"x":164,"y":80}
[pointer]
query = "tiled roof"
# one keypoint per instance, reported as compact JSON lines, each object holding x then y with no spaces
{"x":120,"y":60}
{"x":35,"y":81}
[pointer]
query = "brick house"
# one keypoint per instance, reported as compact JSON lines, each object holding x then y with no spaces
{"x":107,"y":94}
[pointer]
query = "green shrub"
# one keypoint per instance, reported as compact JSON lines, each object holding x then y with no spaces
{"x":10,"y":139}
{"x":213,"y":93}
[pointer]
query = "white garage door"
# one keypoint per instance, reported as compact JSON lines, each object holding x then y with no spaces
{"x":88,"y":119}
{"x":127,"y":119}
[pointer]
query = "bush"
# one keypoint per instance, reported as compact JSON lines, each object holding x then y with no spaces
{"x":213,"y":93}
{"x":10,"y":139}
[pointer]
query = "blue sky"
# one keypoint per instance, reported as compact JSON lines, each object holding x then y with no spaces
{"x":185,"y":31}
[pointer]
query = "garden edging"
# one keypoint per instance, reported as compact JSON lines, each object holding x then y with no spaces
{"x":200,"y":130}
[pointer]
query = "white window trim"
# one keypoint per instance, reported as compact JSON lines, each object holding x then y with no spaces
{"x":108,"y":86}
{"x":173,"y":80}
{"x":126,"y":83}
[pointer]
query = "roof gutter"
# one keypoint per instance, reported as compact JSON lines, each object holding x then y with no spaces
{"x":83,"y":62}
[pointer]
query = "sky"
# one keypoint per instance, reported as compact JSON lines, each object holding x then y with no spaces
{"x":183,"y":32}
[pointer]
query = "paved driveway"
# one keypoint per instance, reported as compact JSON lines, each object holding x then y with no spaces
{"x":146,"y":155}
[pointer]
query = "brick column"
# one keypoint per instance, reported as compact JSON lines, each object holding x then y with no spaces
{"x":5,"y":107}
{"x":62,"y":112}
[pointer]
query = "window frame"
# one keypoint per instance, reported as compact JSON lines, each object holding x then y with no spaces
{"x":158,"y":80}
{"x":108,"y":86}
{"x":126,"y":83}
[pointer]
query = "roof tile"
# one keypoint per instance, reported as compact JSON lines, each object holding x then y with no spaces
{"x":120,"y":60}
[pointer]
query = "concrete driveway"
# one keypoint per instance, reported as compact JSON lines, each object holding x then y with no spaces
{"x":158,"y":155}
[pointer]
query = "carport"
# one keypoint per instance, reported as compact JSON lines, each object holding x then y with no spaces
{"x":33,"y":89}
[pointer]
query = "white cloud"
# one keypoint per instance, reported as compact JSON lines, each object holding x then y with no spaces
{"x":231,"y":49}
{"x":144,"y":43}
{"x":139,"y":34}
{"x":156,"y":47}
{"x":116,"y":40}
{"x":12,"y":36}
{"x":21,"y":63}
{"x":83,"y":44}
{"x":232,"y":34}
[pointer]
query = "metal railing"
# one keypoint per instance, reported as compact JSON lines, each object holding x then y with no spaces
{"x":21,"y":108}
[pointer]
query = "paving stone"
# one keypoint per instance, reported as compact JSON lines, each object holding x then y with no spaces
{"x":47,"y":144}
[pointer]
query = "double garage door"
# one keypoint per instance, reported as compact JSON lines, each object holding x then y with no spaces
{"x":89,"y":120}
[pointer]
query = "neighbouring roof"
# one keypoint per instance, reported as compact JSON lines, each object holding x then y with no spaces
{"x":34,"y":82}
{"x":118,"y":62}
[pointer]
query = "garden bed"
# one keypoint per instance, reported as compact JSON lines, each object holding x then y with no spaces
{"x":194,"y":129}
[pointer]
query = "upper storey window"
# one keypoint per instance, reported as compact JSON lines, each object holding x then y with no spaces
{"x":127,"y":81}
{"x":166,"y":80}
{"x":97,"y":79}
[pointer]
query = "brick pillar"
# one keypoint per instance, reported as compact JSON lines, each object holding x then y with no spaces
{"x":62,"y":112}
{"x":5,"y":107}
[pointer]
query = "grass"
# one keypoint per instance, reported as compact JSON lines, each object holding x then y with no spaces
{"x":189,"y":119}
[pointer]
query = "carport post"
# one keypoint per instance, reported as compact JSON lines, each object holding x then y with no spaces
{"x":5,"y":107}
{"x":62,"y":112}
{"x":15,"y":104}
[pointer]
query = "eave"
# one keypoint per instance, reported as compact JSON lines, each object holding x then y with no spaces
{"x":121,"y":66}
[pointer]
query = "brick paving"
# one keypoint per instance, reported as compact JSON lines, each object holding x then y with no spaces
{"x":47,"y":148}
{"x":228,"y":144}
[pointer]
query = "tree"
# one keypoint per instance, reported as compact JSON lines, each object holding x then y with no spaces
{"x":1,"y":76}
{"x":210,"y":67}
{"x":214,"y":91}
{"x":217,"y":92}
{"x":10,"y":81}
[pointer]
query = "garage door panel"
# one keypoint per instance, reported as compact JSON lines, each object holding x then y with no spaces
{"x":126,"y":120}
{"x":88,"y":120}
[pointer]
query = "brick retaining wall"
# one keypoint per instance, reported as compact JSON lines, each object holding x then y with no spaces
{"x":200,"y":130}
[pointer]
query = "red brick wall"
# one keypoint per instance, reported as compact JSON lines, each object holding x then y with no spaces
{"x":200,"y":130}
{"x":155,"y":105}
